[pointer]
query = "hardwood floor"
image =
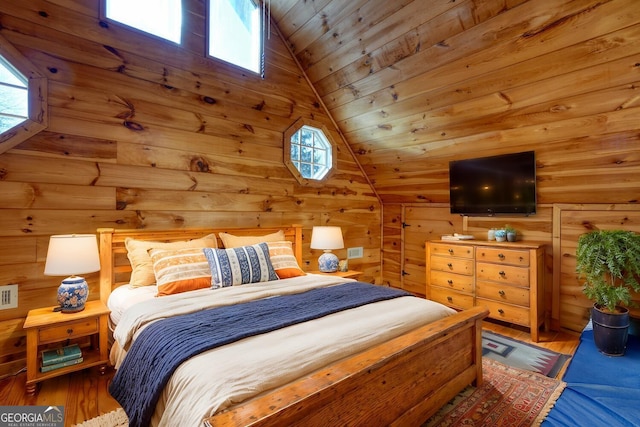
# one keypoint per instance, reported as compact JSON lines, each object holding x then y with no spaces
{"x":85,"y":394}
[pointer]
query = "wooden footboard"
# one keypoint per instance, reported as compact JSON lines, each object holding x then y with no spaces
{"x":402,"y":382}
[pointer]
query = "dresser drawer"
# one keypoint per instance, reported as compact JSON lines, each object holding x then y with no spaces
{"x":507,"y":274}
{"x":444,"y":249}
{"x":503,"y":293}
{"x":69,"y":330}
{"x":503,"y":256}
{"x":451,"y":298}
{"x":453,"y":281}
{"x":452,"y":265}
{"x":505,"y":312}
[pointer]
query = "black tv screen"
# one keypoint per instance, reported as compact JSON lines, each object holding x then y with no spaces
{"x":496,"y":185}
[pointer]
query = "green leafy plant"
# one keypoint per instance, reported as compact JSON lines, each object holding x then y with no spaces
{"x":509,"y":229}
{"x":609,"y":260}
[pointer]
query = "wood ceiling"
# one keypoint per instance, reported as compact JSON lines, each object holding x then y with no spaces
{"x":414,"y":84}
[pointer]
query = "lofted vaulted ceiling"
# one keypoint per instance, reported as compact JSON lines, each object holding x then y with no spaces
{"x":414,"y":84}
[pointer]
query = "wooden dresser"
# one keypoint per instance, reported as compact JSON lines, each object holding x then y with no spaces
{"x":507,"y":278}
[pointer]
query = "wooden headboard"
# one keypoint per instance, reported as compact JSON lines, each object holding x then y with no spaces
{"x":115,"y":268}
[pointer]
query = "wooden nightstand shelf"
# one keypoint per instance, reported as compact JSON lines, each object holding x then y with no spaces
{"x":44,"y":326}
{"x":350,"y":274}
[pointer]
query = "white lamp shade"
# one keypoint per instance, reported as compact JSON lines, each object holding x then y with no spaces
{"x":72,"y":254}
{"x":326,"y":238}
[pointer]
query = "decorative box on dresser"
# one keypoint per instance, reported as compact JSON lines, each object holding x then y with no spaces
{"x":506,"y":277}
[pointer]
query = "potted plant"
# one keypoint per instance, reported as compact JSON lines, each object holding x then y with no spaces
{"x":511,"y":233}
{"x":609,"y":261}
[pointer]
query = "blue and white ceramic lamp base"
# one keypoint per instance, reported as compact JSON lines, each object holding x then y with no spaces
{"x":72,"y":294}
{"x":328,"y":262}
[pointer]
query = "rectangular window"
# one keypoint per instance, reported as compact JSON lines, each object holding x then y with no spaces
{"x":162,"y":18}
{"x":235,"y":30}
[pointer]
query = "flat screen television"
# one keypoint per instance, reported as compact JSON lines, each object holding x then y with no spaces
{"x":497,"y":185}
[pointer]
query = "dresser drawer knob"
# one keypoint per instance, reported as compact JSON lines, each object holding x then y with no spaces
{"x":450,"y":299}
{"x":70,"y":331}
{"x":501,"y":311}
{"x":450,"y":265}
{"x":450,"y":282}
{"x":451,"y":251}
{"x":501,"y":256}
{"x":502,"y":273}
{"x":501,"y":292}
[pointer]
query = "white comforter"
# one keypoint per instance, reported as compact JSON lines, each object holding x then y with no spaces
{"x":228,"y":375}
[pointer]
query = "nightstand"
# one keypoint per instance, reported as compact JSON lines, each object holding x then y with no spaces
{"x":45,"y":326}
{"x":349,"y":274}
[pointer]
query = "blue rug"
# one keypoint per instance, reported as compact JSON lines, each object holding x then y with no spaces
{"x":601,"y":390}
{"x":522,"y":355}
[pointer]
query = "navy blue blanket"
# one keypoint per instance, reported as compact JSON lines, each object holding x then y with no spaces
{"x":165,"y":344}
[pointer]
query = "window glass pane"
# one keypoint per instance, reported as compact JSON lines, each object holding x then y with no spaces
{"x":305,"y":171}
{"x":307,"y":137}
{"x":234,"y":33}
{"x":14,"y":96}
{"x":10,"y":75}
{"x":320,"y":156}
{"x":306,"y":154}
{"x":295,"y":151}
{"x":7,"y":123}
{"x":162,"y":18}
{"x":14,"y":101}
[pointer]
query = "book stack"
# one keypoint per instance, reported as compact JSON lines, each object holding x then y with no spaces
{"x":61,"y":357}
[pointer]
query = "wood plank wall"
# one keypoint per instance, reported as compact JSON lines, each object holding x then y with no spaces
{"x":143,"y":134}
{"x":414,"y":87}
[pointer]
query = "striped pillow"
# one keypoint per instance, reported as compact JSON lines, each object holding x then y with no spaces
{"x":237,"y":266}
{"x":284,"y":261}
{"x":180,"y":270}
{"x":141,"y":264}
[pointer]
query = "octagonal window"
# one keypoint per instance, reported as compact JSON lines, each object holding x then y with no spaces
{"x":23,"y":98}
{"x":309,"y":153}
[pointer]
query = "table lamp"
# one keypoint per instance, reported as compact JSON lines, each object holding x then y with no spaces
{"x":70,"y":255}
{"x":327,"y":238}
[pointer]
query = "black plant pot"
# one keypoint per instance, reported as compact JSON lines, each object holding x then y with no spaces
{"x":610,"y":330}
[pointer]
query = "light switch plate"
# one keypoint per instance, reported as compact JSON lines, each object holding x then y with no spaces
{"x":8,"y":296}
{"x":354,"y":252}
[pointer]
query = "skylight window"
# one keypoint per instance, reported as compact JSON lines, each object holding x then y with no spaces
{"x":14,"y":96}
{"x":235,"y":33}
{"x":162,"y":18}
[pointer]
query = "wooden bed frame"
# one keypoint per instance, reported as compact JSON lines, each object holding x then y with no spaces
{"x":401,"y":382}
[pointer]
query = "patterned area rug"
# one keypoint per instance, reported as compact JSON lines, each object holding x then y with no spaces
{"x":522,"y":355}
{"x":509,"y":397}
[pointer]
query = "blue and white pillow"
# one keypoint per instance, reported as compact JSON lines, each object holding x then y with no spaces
{"x":237,"y":266}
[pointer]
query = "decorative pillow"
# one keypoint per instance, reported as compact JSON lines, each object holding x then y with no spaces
{"x":283,"y":260}
{"x":180,"y":270}
{"x":237,"y":266}
{"x":231,"y":241}
{"x":141,"y":265}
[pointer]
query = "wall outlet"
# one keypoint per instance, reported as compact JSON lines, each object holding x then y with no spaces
{"x":8,"y":297}
{"x":354,"y":252}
